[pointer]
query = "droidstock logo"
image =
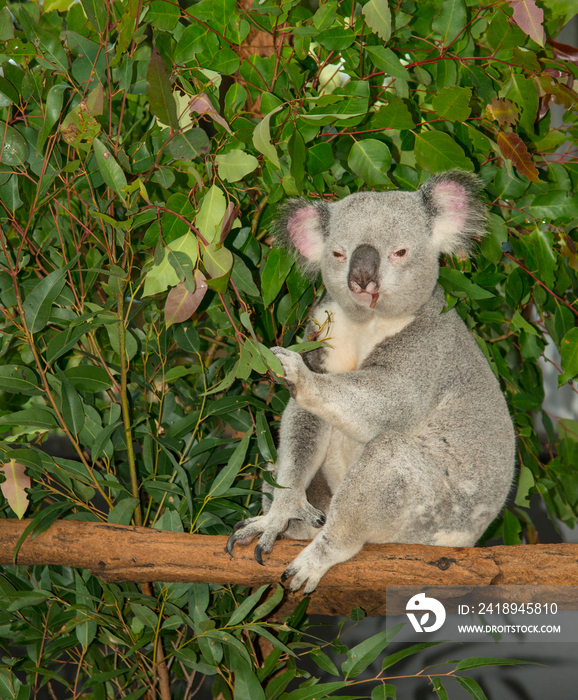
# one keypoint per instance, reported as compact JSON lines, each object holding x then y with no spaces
{"x":421,"y":603}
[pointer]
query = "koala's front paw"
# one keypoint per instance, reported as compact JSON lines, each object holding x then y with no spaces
{"x":270,"y":526}
{"x":293,"y":367}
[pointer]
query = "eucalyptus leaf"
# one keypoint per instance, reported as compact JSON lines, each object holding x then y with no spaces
{"x":371,"y":160}
{"x":14,"y":146}
{"x":162,"y":102}
{"x":262,"y":138}
{"x":235,"y":165}
{"x":97,"y":13}
{"x":229,"y":473}
{"x":189,"y":144}
{"x":110,"y":170}
{"x":378,"y":17}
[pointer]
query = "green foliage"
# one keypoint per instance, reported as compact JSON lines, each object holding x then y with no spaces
{"x":144,"y":155}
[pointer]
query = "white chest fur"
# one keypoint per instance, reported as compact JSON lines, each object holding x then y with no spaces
{"x":349,"y":342}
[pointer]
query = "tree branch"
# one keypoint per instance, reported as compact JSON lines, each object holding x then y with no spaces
{"x":130,"y":553}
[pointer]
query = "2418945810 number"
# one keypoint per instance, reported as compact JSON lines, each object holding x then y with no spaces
{"x":514,"y":608}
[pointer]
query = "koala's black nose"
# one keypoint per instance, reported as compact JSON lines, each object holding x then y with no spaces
{"x":364,"y":269}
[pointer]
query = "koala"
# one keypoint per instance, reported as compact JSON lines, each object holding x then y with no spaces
{"x":396,"y":430}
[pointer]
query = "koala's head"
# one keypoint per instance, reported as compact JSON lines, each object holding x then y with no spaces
{"x":378,"y":252}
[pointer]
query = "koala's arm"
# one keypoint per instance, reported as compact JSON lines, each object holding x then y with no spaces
{"x":303,"y":443}
{"x":304,"y":439}
{"x":364,"y":402}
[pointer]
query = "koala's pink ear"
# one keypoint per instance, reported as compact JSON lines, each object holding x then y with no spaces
{"x":302,"y":227}
{"x":456,"y":213}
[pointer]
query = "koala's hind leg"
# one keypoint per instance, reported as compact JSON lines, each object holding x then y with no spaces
{"x":382,"y":495}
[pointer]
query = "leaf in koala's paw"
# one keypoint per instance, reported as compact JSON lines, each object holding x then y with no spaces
{"x":14,"y":487}
{"x":307,"y":346}
{"x":514,"y":149}
{"x":273,"y":362}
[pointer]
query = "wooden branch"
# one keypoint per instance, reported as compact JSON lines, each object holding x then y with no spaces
{"x":127,"y":553}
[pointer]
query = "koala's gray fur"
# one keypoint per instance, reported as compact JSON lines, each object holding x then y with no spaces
{"x":397,"y":432}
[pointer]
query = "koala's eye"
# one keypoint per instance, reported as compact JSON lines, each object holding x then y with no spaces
{"x":339,"y":256}
{"x":398,"y":254}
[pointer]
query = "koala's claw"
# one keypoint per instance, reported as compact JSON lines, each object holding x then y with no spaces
{"x":258,"y":557}
{"x":241,"y":534}
{"x":230,"y":544}
{"x":262,"y":525}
